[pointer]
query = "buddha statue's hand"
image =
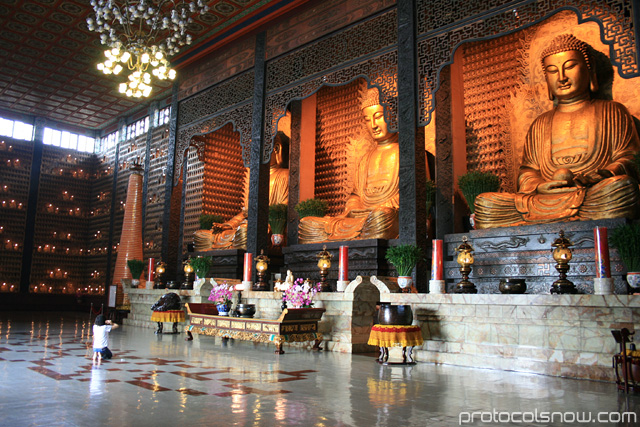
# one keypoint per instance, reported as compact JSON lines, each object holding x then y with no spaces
{"x":589,"y":179}
{"x":555,"y":187}
{"x":218,"y":228}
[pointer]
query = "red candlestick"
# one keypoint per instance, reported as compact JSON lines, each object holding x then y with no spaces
{"x":601,"y":245}
{"x":343,"y":268}
{"x":151,"y":269}
{"x":436,"y":260}
{"x":248,"y":265}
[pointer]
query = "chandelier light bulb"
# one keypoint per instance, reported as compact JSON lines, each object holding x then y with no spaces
{"x":142,"y":34}
{"x":122,"y":88}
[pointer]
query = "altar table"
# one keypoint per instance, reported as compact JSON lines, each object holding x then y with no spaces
{"x":293,"y":325}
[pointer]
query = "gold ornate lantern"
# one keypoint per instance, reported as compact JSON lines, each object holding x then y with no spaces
{"x":161,"y":268}
{"x":324,"y":264}
{"x":262,"y":265}
{"x":465,"y":259}
{"x":562,"y":255}
{"x":189,"y":274}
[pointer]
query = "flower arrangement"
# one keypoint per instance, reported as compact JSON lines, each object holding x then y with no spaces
{"x":135,"y":267}
{"x":207,"y":221}
{"x":404,"y":258}
{"x":278,"y":218}
{"x":301,"y":293}
{"x":221,"y":294}
{"x":311,"y":207}
{"x":473,"y":183}
{"x":201,"y":265}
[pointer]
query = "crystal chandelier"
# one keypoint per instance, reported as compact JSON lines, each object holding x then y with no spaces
{"x":141,"y":35}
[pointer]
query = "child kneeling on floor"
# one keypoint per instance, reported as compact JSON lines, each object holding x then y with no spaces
{"x":101,"y":330}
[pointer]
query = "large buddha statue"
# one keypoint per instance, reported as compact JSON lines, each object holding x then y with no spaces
{"x":577,"y":162}
{"x":371,"y":211}
{"x":233,"y":233}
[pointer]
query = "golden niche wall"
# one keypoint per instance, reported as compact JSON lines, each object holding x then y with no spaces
{"x":339,"y":124}
{"x":224,"y":173}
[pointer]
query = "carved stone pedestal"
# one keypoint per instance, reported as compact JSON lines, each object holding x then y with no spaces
{"x":525,"y":252}
{"x":366,"y":258}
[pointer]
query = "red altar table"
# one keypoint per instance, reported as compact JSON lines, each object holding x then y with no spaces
{"x":385,"y":336}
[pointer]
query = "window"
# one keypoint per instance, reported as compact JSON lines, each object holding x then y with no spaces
{"x":138,"y":128}
{"x":164,"y":115}
{"x":70,"y":140}
{"x":16,"y":129}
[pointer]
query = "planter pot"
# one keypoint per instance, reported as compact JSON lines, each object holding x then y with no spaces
{"x":223,"y":309}
{"x":277,"y":239}
{"x":472,"y":221}
{"x":395,"y":314}
{"x":633,"y":278}
{"x":405,"y":282}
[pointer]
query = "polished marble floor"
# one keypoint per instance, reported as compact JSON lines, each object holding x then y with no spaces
{"x":47,"y":378}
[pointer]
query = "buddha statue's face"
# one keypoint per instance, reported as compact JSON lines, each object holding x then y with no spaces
{"x":567,"y":75}
{"x":374,"y":117}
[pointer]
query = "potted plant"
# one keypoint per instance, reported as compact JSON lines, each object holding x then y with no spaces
{"x":404,"y":258}
{"x":626,"y":239}
{"x":207,"y":221}
{"x":135,"y":267}
{"x":221,"y":296}
{"x":430,"y":194}
{"x":277,"y":222}
{"x":476,"y":182}
{"x":201,"y":265}
{"x":311,"y":207}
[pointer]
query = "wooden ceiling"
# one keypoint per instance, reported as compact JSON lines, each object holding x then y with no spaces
{"x":48,"y":58}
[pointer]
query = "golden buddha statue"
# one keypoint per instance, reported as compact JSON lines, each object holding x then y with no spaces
{"x":371,"y":211}
{"x":233,"y":233}
{"x":577,"y":162}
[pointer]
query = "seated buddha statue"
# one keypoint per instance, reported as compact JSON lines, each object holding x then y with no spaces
{"x":577,"y":162}
{"x":233,"y":233}
{"x":371,"y":210}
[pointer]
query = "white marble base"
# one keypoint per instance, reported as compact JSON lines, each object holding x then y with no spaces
{"x":437,"y":287}
{"x":341,"y":285}
{"x":603,"y":285}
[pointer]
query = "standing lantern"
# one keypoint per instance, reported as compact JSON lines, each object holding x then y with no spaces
{"x":161,"y":268}
{"x":188,"y":275}
{"x":562,"y":255}
{"x":465,"y":259}
{"x":324,"y":264}
{"x":262,"y":265}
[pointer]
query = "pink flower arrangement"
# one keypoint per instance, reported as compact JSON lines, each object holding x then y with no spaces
{"x":221,"y":294}
{"x":301,"y":294}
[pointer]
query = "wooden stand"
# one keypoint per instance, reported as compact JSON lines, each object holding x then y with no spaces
{"x":405,"y":336}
